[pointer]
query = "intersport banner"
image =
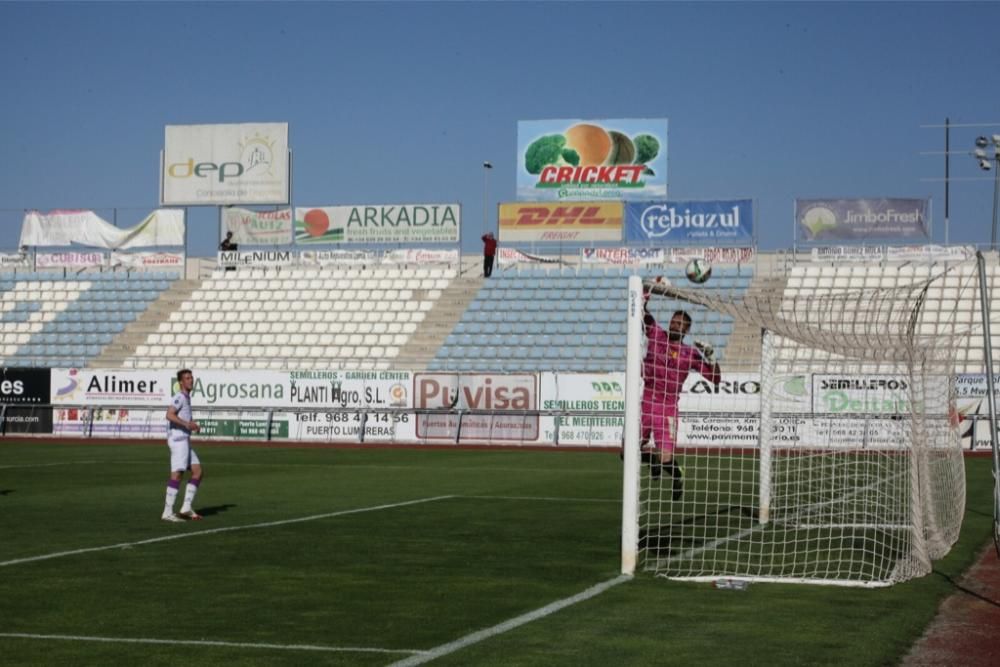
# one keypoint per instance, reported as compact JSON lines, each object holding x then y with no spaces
{"x":623,"y":256}
{"x":694,"y":222}
{"x":258,"y":227}
{"x":245,"y":163}
{"x":162,"y":227}
{"x":402,"y":223}
{"x":861,"y":219}
{"x":589,"y":221}
{"x":589,"y":160}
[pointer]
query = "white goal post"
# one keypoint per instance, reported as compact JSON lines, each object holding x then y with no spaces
{"x":846,"y":467}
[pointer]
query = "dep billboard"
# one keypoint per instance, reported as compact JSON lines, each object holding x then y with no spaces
{"x":861,"y":219}
{"x":588,"y":221}
{"x":245,"y":163}
{"x":690,"y":222}
{"x":588,"y":160}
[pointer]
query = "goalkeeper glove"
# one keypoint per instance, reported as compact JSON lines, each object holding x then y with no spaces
{"x":707,"y":352}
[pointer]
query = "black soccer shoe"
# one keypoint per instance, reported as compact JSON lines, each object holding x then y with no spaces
{"x":677,"y":473}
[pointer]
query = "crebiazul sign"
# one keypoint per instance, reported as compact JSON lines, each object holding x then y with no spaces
{"x":692,"y":222}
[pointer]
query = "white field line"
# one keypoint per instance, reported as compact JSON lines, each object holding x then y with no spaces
{"x":546,"y":499}
{"x":213,"y":531}
{"x":47,"y":465}
{"x":205,"y":642}
{"x":476,"y":637}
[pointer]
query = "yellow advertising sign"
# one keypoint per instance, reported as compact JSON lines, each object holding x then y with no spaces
{"x":583,"y":221}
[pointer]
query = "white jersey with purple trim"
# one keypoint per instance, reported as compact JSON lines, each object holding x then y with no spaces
{"x":181,"y":402}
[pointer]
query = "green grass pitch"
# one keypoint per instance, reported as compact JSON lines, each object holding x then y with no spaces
{"x":496,"y":535}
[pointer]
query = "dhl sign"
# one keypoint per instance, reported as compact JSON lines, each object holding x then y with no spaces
{"x":583,"y":221}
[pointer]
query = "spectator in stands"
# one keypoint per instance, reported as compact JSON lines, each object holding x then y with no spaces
{"x":667,"y":364}
{"x":489,"y":253}
{"x":227,"y":243}
{"x":180,"y":426}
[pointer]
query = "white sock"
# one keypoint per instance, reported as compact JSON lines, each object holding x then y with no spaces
{"x":168,"y":505}
{"x":189,"y":496}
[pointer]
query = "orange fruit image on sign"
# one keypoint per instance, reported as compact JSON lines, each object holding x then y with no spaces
{"x":317,"y":222}
{"x":592,"y":143}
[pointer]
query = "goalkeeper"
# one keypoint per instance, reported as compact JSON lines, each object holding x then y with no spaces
{"x":666,"y":366}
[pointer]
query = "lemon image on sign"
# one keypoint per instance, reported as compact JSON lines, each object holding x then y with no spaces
{"x":819,"y":219}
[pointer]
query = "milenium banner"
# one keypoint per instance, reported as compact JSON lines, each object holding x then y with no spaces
{"x":402,"y":223}
{"x":588,"y":160}
{"x":692,"y":222}
{"x":861,"y":219}
{"x":225,"y":164}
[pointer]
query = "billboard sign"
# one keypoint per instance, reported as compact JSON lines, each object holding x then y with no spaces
{"x":861,"y":219}
{"x":696,"y":222}
{"x":258,"y":227}
{"x":589,"y":160}
{"x":513,"y":394}
{"x":244,"y":163}
{"x":22,"y":390}
{"x":402,"y":223}
{"x":590,"y":221}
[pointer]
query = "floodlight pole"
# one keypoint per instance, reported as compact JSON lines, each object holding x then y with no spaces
{"x":487,"y":166}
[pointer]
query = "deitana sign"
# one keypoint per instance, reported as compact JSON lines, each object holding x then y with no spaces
{"x":590,"y":160}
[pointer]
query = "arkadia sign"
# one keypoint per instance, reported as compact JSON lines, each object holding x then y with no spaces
{"x":700,"y":222}
{"x":404,"y":223}
{"x":23,"y":390}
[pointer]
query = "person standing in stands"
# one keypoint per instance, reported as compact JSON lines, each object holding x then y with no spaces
{"x":489,"y":253}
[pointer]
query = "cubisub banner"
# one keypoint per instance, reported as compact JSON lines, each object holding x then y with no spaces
{"x":244,"y":163}
{"x":590,"y":221}
{"x":860,"y":219}
{"x":586,"y":160}
{"x":692,"y":222}
{"x":258,"y":227}
{"x":70,"y":260}
{"x":404,"y":223}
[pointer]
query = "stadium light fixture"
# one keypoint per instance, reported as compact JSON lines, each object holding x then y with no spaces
{"x":487,"y":166}
{"x":984,"y":158}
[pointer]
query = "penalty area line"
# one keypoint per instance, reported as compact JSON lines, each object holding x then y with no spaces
{"x":206,"y":642}
{"x":506,"y":626}
{"x":226,"y":529}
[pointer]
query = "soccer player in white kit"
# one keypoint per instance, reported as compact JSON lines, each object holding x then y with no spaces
{"x":180,"y":426}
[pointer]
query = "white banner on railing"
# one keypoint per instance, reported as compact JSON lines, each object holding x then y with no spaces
{"x":420,"y":256}
{"x":511,"y":256}
{"x":712,"y":255}
{"x":15,"y":260}
{"x":148,"y":261}
{"x":261,"y":258}
{"x":930,"y":253}
{"x":70,"y":260}
{"x":162,"y":227}
{"x":623,"y":256}
{"x":338,"y":257}
{"x":258,"y":227}
{"x":847,"y":253}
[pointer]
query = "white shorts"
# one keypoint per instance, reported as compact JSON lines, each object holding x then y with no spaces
{"x":182,"y":457}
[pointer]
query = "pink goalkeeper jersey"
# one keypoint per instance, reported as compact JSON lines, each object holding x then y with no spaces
{"x":667,"y":365}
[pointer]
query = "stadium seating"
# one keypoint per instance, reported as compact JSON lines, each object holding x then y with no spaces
{"x":569,"y":320}
{"x":51,"y":320}
{"x":951,"y":303}
{"x":298,"y":318}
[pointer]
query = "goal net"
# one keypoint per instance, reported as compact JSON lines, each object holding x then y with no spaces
{"x":819,"y":445}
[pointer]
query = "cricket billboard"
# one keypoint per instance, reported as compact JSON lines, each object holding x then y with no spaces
{"x":589,"y":221}
{"x":244,"y":163}
{"x":588,"y":160}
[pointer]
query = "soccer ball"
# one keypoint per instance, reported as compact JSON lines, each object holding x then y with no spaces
{"x":698,"y":271}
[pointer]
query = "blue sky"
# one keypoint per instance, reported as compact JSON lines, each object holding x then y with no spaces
{"x":394,"y":103}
